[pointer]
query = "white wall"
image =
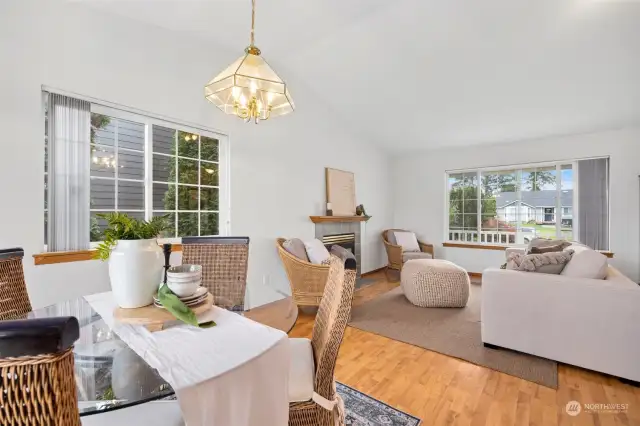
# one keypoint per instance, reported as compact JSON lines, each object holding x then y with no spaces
{"x":419,"y":188}
{"x":277,"y":168}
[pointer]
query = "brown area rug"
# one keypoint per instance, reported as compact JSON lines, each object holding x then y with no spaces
{"x":450,"y":331}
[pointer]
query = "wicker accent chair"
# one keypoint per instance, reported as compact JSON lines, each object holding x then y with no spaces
{"x":326,"y":408}
{"x":224,"y":263}
{"x":394,"y":252}
{"x":14,"y":299}
{"x":37,"y":382}
{"x":307,"y":280}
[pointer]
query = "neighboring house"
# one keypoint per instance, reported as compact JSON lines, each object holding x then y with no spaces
{"x":538,"y":206}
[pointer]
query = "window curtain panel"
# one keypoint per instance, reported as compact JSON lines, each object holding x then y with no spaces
{"x":593,"y":203}
{"x":69,"y":131}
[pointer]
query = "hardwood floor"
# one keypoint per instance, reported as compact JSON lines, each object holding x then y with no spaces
{"x":442,"y":390}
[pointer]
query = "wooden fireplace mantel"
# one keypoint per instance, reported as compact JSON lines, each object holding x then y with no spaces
{"x":324,"y":219}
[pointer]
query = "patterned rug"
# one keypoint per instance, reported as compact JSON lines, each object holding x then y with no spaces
{"x":362,"y":410}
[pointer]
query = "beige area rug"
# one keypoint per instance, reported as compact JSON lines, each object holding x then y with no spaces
{"x":449,"y":331}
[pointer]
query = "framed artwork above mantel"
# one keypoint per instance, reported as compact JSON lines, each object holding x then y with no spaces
{"x":341,"y":191}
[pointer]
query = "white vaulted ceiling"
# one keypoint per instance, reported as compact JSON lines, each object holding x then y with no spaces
{"x":416,"y":74}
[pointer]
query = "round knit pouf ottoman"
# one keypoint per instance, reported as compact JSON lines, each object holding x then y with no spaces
{"x":435,"y":283}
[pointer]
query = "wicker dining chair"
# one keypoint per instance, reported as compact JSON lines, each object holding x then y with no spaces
{"x":14,"y":299}
{"x":394,"y":252}
{"x":37,"y":382}
{"x":224,"y":263}
{"x":307,"y":280}
{"x":326,"y":408}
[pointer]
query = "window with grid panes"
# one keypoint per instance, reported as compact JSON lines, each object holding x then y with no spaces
{"x":146,"y":167}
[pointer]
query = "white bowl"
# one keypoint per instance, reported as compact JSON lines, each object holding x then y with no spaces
{"x":183,"y":271}
{"x":180,"y":279}
{"x":184,"y":289}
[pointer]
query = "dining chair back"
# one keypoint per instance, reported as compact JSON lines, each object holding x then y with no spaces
{"x":331,"y":321}
{"x":14,"y":299}
{"x":224,"y":262}
{"x":37,"y":381}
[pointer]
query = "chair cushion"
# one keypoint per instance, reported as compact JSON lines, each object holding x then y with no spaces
{"x":407,"y":240}
{"x":410,"y":255}
{"x":301,"y":370}
{"x":391,"y":238}
{"x":295,"y":246}
{"x":157,"y":413}
{"x":316,"y":251}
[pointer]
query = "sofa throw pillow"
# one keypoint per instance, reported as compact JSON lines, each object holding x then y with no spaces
{"x":543,"y":263}
{"x":513,"y":262}
{"x":295,"y":246}
{"x":587,"y":263}
{"x":316,"y":251}
{"x":549,"y":249}
{"x":544,"y":242}
{"x":407,"y":240}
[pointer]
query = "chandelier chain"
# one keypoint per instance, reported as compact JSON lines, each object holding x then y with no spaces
{"x":253,"y":20}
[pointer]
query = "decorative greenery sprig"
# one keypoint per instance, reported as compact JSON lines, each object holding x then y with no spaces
{"x":120,"y":226}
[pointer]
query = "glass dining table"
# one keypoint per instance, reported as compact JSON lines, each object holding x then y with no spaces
{"x":110,"y":375}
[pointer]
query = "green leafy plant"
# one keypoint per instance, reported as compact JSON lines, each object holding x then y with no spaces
{"x":121,"y":226}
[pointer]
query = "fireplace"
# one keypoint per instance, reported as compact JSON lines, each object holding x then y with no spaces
{"x":345,"y":233}
{"x":347,"y":241}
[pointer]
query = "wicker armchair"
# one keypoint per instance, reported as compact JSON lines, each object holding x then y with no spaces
{"x":307,"y":280}
{"x":14,"y":299}
{"x":331,"y":321}
{"x":37,"y":382}
{"x":394,"y":252}
{"x":224,"y":263}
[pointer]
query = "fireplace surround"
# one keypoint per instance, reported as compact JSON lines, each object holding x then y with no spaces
{"x":339,"y":230}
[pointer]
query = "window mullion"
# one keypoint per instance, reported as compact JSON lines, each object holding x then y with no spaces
{"x":558,"y":215}
{"x":199,"y":176}
{"x":519,"y":207}
{"x":148,"y":171}
{"x":115,"y":147}
{"x":479,"y":205}
{"x":175,"y":183}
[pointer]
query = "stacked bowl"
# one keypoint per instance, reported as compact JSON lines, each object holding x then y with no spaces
{"x":185,"y":281}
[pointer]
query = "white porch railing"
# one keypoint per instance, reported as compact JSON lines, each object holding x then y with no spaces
{"x":494,"y":237}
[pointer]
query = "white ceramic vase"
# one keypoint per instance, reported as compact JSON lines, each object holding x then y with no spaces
{"x":135,"y":269}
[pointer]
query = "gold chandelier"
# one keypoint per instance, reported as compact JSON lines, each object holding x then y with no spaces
{"x":249,"y":88}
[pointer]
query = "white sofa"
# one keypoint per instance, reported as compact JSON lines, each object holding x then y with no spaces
{"x":590,"y":323}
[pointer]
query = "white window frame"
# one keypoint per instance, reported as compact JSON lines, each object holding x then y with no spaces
{"x":518,"y":168}
{"x":148,"y":120}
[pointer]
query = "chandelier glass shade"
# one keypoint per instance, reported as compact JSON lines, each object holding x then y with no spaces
{"x":249,"y":88}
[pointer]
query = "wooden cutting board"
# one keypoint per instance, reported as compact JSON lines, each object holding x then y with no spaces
{"x":154,"y":318}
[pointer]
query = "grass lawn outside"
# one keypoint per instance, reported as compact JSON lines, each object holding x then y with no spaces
{"x":549,"y":231}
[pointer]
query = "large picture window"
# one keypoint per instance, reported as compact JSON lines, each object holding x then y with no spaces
{"x":513,"y":205}
{"x":135,"y":164}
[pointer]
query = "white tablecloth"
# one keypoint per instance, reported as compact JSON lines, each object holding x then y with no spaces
{"x":234,"y":374}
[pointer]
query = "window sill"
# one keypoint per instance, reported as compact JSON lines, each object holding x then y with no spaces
{"x":75,"y":256}
{"x":475,"y":246}
{"x":500,"y":247}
